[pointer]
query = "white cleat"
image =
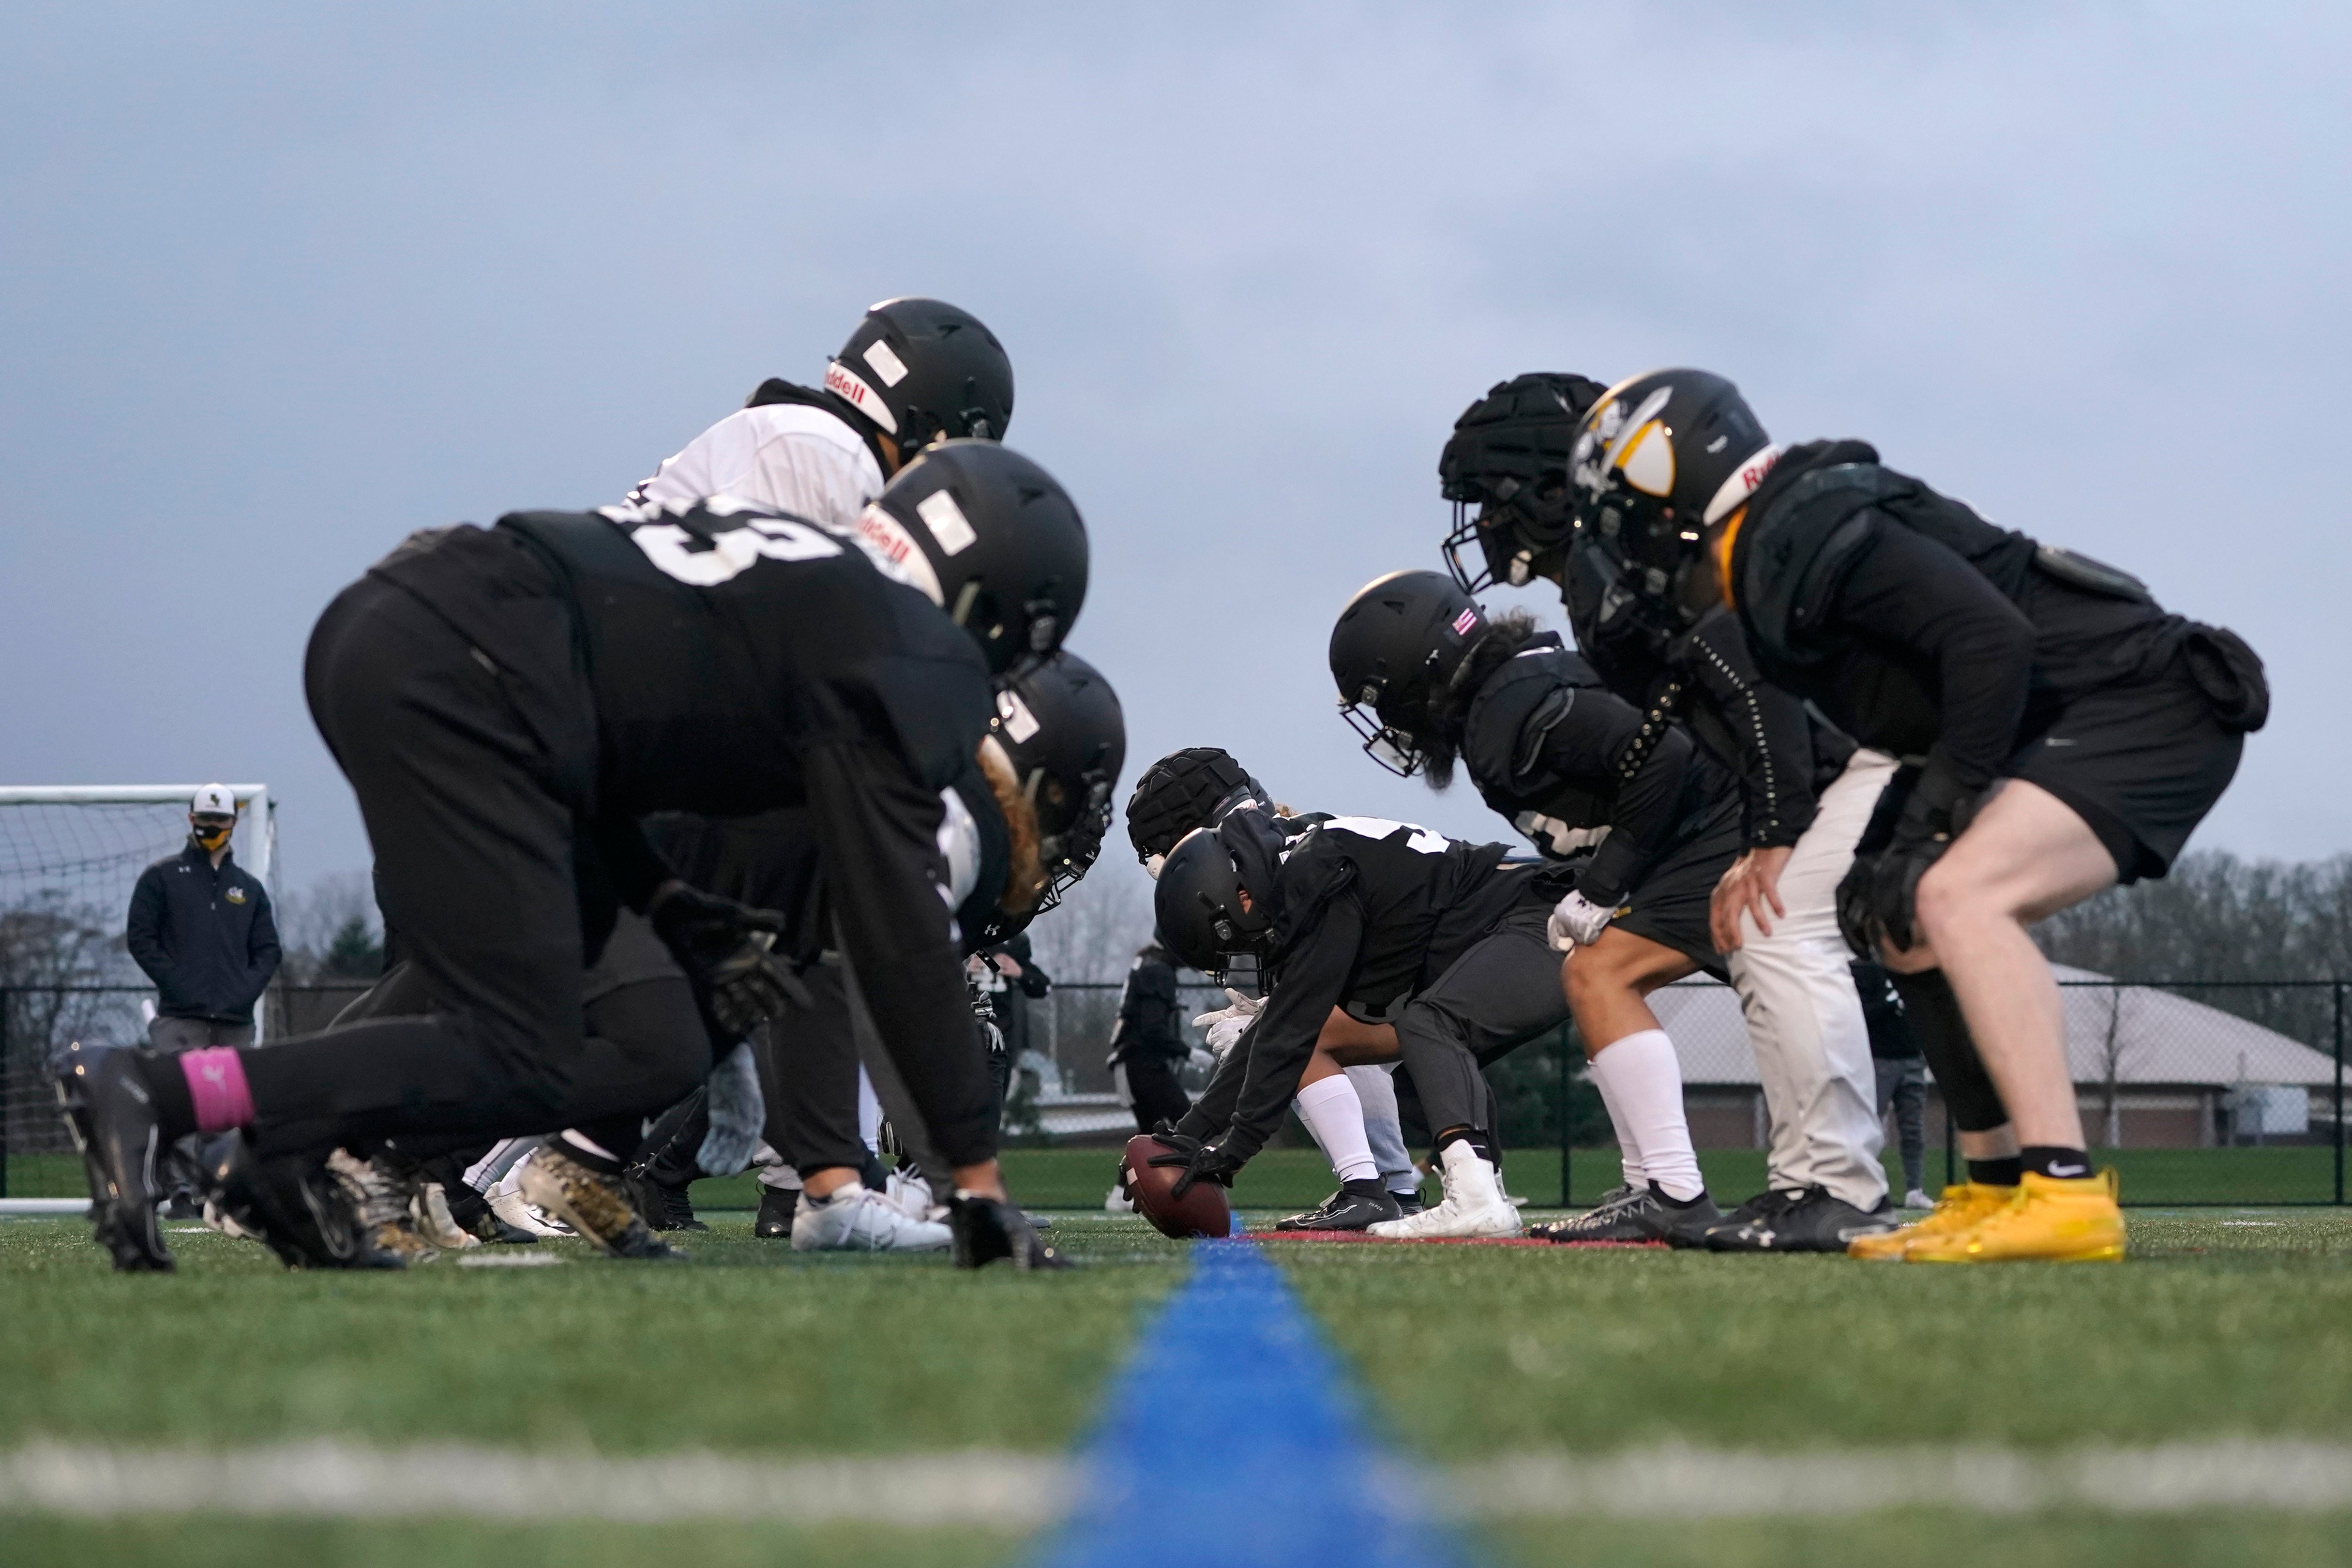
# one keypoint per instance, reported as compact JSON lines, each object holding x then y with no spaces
{"x":855,"y":1219}
{"x":1474,"y":1206}
{"x":912,"y":1195}
{"x":1118,"y":1202}
{"x":507,"y":1202}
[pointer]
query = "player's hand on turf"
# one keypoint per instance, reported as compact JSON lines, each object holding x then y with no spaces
{"x":1202,"y":1162}
{"x":1751,"y":887}
{"x":1576,"y":922}
{"x":725,"y":949}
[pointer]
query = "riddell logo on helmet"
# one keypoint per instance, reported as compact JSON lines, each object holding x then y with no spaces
{"x":843,"y":382}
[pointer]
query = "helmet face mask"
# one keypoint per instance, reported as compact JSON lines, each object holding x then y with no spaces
{"x":1505,"y":469}
{"x":1392,"y":747}
{"x":1657,"y":461}
{"x":1061,"y":727}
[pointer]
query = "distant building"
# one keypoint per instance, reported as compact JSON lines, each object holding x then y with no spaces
{"x":2183,"y":1075}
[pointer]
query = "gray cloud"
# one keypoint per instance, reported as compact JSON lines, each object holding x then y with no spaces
{"x":279,"y":288}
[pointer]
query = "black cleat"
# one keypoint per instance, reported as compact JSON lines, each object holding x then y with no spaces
{"x":1354,"y":1206}
{"x":1626,"y":1217}
{"x":111,"y":1116}
{"x":661,"y":1205}
{"x":986,"y":1230}
{"x":493,"y":1230}
{"x":294,"y":1205}
{"x":1807,"y":1220}
{"x":1408,"y":1204}
{"x":776,"y":1207}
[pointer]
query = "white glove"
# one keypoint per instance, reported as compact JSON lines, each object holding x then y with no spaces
{"x":738,"y":1112}
{"x":1576,"y":922}
{"x":1227,"y":1023}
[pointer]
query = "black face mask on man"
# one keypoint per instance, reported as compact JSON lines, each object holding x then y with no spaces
{"x":209,"y":832}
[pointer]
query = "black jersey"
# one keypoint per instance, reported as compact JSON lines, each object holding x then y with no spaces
{"x":1782,"y":756}
{"x":1367,"y":913}
{"x":1543,"y":740}
{"x":725,"y":662}
{"x":1920,"y":628}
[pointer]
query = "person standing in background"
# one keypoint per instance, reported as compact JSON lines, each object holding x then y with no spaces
{"x":202,"y":929}
{"x":1902,"y":1074}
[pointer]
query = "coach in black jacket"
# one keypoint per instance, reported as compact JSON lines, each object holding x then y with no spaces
{"x":202,"y":929}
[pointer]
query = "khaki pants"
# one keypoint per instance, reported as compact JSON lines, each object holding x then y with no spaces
{"x":1805,"y":1020}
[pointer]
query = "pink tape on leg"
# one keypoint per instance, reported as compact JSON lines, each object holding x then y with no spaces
{"x":217,"y":1085}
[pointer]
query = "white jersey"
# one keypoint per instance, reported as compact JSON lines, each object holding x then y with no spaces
{"x":785,"y":457}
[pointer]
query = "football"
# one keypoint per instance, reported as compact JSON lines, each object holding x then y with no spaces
{"x":1201,"y":1211}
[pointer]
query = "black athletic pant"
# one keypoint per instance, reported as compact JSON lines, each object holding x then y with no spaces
{"x":813,"y":1115}
{"x":1503,"y":991}
{"x":1153,"y":1091}
{"x":481,"y":864}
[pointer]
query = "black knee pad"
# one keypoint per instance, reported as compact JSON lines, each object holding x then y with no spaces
{"x":1935,"y":1014}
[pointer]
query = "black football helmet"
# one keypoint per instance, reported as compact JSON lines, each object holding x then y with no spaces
{"x":1060,"y":726}
{"x":1400,"y":640}
{"x":1656,"y":460}
{"x":1197,"y":902}
{"x":992,"y":539}
{"x":1182,"y":791}
{"x":923,"y":370}
{"x":1505,"y":470}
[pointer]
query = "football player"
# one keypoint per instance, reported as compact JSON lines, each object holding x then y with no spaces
{"x":1807,"y":791}
{"x":509,"y":702}
{"x":1196,"y":787}
{"x":1642,"y":823}
{"x":1428,"y":948}
{"x":2062,"y":733}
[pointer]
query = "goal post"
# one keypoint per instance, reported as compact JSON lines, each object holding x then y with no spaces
{"x":69,"y":857}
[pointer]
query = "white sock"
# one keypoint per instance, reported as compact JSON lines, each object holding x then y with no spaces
{"x":870,"y":1113}
{"x":1335,"y":1116}
{"x":1642,"y":1080}
{"x":1629,"y":1153}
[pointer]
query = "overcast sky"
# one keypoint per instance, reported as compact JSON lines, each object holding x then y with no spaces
{"x":277,"y":288}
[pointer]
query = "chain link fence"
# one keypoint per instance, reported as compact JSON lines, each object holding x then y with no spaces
{"x":2196,"y":1092}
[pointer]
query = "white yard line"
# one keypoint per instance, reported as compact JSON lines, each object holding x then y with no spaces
{"x":1025,"y":1492}
{"x":1007,"y":1490}
{"x":1673,"y":1482}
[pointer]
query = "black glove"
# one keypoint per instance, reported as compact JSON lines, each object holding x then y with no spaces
{"x":1218,"y":1162}
{"x":723,"y":946}
{"x":1939,"y":812}
{"x":1855,"y":922}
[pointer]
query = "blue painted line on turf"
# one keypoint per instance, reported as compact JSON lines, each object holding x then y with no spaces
{"x":1231,"y":1437}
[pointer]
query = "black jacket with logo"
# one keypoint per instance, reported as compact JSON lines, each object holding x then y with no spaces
{"x":205,"y":936}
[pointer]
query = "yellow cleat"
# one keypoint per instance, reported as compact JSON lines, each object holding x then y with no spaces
{"x":2048,"y":1221}
{"x":1961,"y":1206}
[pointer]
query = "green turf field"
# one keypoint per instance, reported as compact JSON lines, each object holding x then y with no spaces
{"x":2228,"y":1324}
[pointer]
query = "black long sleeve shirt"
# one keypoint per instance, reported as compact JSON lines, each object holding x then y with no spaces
{"x":1545,"y":744}
{"x":204,"y":936}
{"x":1367,"y":912}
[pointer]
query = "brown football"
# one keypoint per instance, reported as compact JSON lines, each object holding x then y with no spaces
{"x":1203,"y":1211}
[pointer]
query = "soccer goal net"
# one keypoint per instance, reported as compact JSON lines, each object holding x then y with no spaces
{"x":69,"y":855}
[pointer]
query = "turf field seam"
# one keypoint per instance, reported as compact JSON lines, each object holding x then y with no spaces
{"x":325,"y":1478}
